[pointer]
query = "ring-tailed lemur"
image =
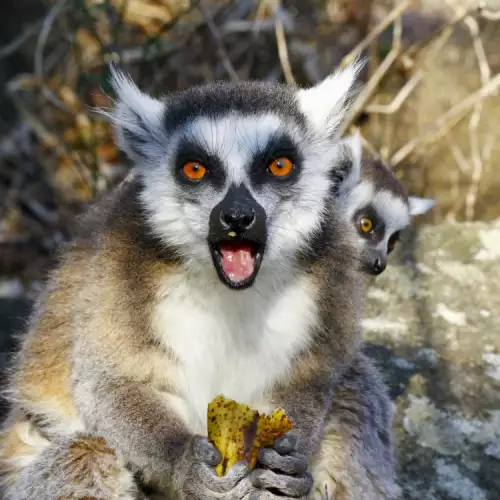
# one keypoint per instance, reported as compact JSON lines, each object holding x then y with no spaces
{"x":378,"y":209}
{"x":221,"y":268}
{"x":378,"y":206}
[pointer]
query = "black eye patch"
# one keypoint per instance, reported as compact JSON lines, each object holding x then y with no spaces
{"x":377,"y":232}
{"x":191,"y":151}
{"x":279,"y":145}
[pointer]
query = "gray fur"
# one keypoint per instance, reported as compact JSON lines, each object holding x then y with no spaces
{"x":59,"y":473}
{"x":363,"y":465}
{"x":383,"y":179}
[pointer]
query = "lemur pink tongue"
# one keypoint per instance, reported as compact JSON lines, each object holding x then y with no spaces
{"x":237,"y":260}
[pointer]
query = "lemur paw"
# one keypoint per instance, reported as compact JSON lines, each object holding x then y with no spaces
{"x":284,"y":485}
{"x":202,"y":482}
{"x":204,"y":451}
{"x":283,"y":457}
{"x":283,"y":469}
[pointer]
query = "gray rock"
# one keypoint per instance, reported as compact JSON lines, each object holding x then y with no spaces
{"x":435,"y":307}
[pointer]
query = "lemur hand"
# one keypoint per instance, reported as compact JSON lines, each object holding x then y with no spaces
{"x":201,"y":481}
{"x":283,"y":469}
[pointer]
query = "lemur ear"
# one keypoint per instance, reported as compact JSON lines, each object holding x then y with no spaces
{"x":138,"y":120}
{"x":347,"y":169}
{"x":326,"y":103}
{"x":419,"y":206}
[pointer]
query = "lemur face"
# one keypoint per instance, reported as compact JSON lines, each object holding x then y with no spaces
{"x":379,"y":210}
{"x":379,"y":225}
{"x":377,"y":239}
{"x":236,"y":176}
{"x":246,"y":191}
{"x":378,"y":219}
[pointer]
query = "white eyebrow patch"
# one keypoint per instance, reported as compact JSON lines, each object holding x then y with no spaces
{"x":393,"y":210}
{"x":359,"y":197}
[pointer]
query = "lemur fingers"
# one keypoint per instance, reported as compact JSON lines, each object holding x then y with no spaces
{"x":296,"y":486}
{"x":206,"y":452}
{"x":293,"y":463}
{"x":203,"y":482}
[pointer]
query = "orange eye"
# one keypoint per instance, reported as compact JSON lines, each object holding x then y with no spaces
{"x":194,"y":171}
{"x":281,"y":167}
{"x":366,"y":224}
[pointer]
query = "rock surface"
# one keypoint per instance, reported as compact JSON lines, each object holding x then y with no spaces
{"x":432,"y":319}
{"x":431,"y":325}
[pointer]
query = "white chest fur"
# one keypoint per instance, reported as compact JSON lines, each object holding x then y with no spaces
{"x":235,"y":343}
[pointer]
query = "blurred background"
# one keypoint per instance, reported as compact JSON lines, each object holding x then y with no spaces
{"x":429,"y":107}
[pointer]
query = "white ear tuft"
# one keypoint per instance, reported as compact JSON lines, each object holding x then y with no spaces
{"x":355,"y":151}
{"x":345,"y":171}
{"x":352,"y":156}
{"x":326,"y":103}
{"x":138,"y":119}
{"x":419,"y":206}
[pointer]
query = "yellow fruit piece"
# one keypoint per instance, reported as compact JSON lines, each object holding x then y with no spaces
{"x":239,"y":432}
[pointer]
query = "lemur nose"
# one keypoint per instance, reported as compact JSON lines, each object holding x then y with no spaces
{"x":378,"y":266}
{"x":238,"y":219}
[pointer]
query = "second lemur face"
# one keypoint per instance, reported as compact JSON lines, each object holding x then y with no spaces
{"x":379,"y":209}
{"x":236,"y":176}
{"x":378,"y":223}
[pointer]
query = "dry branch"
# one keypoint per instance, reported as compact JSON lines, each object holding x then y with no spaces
{"x":375,"y":32}
{"x":283,"y":51}
{"x":399,"y":100}
{"x":439,"y":37}
{"x":13,"y":46}
{"x":221,"y":49}
{"x":368,"y":91}
{"x":476,"y":160}
{"x":56,"y":11}
{"x":491,"y":15}
{"x":446,"y":121}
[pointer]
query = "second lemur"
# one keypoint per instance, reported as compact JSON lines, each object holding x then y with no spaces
{"x":377,"y":206}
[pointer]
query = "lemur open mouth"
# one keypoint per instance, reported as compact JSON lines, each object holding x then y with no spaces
{"x":237,"y":261}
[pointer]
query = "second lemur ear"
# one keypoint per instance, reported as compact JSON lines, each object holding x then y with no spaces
{"x":326,"y":103}
{"x":419,"y":206}
{"x":346,"y":171}
{"x":138,"y":120}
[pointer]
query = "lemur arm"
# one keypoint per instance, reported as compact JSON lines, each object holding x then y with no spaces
{"x":344,"y":434}
{"x":77,"y":466}
{"x":355,"y":458}
{"x":306,"y":400}
{"x":134,"y":419}
{"x":139,"y":424}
